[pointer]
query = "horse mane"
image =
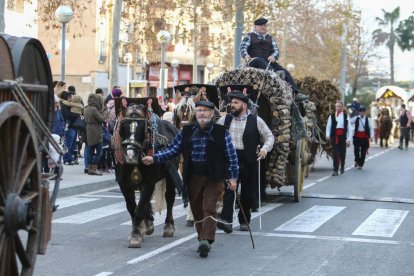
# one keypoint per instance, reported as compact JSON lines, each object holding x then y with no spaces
{"x":186,"y":103}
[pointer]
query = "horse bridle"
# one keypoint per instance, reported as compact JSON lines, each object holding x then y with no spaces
{"x":130,"y":146}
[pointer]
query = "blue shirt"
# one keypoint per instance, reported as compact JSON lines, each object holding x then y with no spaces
{"x":198,"y":152}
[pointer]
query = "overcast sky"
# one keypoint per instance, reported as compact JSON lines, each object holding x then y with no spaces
{"x":404,"y":61}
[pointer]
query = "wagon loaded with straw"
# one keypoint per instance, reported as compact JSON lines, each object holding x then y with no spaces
{"x":287,"y":161}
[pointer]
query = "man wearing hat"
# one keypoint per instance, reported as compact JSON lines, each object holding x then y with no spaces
{"x":247,"y":132}
{"x":259,"y":48}
{"x":209,"y":158}
{"x":362,"y":135}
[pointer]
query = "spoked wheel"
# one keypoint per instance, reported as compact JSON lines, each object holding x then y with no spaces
{"x":20,"y":196}
{"x":299,"y":168}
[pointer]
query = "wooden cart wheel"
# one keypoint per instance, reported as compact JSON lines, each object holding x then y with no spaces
{"x":20,"y":197}
{"x":299,"y":168}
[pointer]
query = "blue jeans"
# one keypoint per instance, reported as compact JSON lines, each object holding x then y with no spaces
{"x":95,"y":153}
{"x":70,"y":140}
{"x":86,"y":154}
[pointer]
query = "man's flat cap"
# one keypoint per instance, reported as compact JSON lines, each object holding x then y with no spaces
{"x":362,"y":108}
{"x":239,"y":95}
{"x":206,"y":104}
{"x":260,"y":21}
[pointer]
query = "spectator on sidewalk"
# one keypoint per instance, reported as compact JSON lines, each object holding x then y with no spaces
{"x":405,"y":126}
{"x":95,"y":115}
{"x":116,"y":93}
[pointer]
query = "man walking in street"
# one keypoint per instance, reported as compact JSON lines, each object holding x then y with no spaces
{"x":362,"y":136}
{"x":339,"y":133}
{"x":405,"y":125}
{"x":209,"y":158}
{"x":247,"y":132}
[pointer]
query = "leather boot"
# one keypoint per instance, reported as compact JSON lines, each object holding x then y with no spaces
{"x":93,"y":170}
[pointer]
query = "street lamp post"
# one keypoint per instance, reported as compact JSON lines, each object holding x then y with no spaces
{"x":63,"y":14}
{"x":128,"y":59}
{"x":163,"y":37}
{"x":174,"y":64}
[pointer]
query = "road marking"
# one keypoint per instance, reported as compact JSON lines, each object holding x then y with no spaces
{"x":360,"y":197}
{"x":178,"y":211}
{"x":311,"y":219}
{"x":329,"y":238}
{"x":309,"y":185}
{"x":72,"y":201}
{"x":94,"y":214}
{"x":323,"y":178}
{"x":103,"y":196}
{"x":265,"y":209}
{"x":105,"y":273}
{"x":381,"y":223}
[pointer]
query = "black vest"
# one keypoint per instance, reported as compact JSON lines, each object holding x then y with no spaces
{"x":251,"y":136}
{"x":366,"y":126}
{"x":259,"y":47}
{"x":334,"y":123}
{"x":404,"y":119}
{"x":217,"y":162}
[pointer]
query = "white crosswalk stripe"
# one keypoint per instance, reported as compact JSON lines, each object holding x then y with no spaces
{"x":93,"y":214}
{"x":72,"y":201}
{"x":311,"y":219}
{"x":382,"y":223}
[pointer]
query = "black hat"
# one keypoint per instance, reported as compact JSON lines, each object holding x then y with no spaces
{"x":192,"y":89}
{"x":239,"y":95}
{"x":205,"y":103}
{"x":362,"y":108}
{"x":242,"y":88}
{"x":260,"y":21}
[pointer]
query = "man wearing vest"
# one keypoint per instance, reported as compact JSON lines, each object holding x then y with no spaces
{"x":247,"y":132}
{"x":259,"y":48}
{"x":209,"y":158}
{"x":339,"y":133}
{"x":362,"y":136}
{"x":405,"y":126}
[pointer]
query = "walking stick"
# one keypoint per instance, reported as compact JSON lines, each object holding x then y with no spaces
{"x":245,"y":219}
{"x":260,"y":197}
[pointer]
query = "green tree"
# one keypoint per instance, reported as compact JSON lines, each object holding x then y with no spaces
{"x":390,"y":20}
{"x":405,"y":31}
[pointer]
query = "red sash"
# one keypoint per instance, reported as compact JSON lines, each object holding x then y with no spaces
{"x":339,"y":132}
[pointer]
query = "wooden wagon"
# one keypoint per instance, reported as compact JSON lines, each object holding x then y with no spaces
{"x":286,"y":163}
{"x":26,"y":114}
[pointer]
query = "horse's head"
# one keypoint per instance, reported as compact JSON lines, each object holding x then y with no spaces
{"x":184,"y":112}
{"x":134,"y":133}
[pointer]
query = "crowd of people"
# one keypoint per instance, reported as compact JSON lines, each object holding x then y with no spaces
{"x":80,"y":127}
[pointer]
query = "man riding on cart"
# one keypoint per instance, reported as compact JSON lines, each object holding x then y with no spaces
{"x":259,"y":48}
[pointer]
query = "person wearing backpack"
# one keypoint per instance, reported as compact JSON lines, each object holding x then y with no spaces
{"x":116,"y":93}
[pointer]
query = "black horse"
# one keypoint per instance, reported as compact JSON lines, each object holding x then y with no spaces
{"x":139,"y":132}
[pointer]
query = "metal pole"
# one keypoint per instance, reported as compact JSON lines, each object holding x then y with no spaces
{"x":343,"y":61}
{"x":63,"y":57}
{"x":238,"y":32}
{"x":195,"y":34}
{"x":128,"y":80}
{"x":162,"y":69}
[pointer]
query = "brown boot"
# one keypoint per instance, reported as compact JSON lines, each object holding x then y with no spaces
{"x":93,"y":170}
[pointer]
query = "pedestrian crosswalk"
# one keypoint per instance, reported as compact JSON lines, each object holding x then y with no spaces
{"x":381,"y":223}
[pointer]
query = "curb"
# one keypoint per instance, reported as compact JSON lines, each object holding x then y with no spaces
{"x":86,"y":188}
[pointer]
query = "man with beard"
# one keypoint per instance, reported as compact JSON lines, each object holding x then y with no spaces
{"x":247,"y":132}
{"x":209,"y":157}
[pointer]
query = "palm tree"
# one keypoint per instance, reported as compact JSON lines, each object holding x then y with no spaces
{"x":389,"y":38}
{"x":406,"y":33}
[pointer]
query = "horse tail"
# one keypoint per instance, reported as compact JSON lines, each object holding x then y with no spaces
{"x":159,"y":196}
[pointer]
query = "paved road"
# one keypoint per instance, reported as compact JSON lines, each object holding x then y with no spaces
{"x":359,"y":223}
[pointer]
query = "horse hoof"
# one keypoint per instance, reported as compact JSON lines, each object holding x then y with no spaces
{"x":134,"y":242}
{"x":169,"y":231}
{"x":149,"y":227}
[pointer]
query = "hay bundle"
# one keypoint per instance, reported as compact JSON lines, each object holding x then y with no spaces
{"x":324,"y":94}
{"x":279,"y":95}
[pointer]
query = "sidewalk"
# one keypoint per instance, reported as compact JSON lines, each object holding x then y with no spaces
{"x":75,"y":181}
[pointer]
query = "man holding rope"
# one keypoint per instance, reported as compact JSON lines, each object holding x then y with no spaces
{"x":247,"y":132}
{"x":209,"y":157}
{"x":259,"y":48}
